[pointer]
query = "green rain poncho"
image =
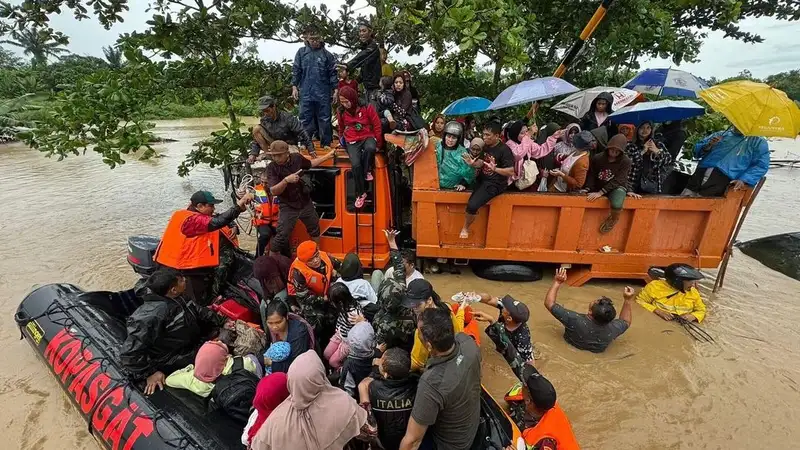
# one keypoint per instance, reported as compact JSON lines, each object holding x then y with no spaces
{"x":453,"y":170}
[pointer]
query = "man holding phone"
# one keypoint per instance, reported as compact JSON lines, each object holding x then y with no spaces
{"x":283,"y":177}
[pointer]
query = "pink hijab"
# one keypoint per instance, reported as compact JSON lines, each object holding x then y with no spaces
{"x":210,"y":361}
{"x":272,"y":390}
{"x":315,"y":416}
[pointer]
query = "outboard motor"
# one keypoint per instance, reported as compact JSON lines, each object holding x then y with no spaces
{"x":141,"y":254}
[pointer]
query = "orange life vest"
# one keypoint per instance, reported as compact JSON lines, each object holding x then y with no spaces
{"x":178,"y":251}
{"x":471,"y":327}
{"x":266,"y":208}
{"x":555,"y":425}
{"x":230,"y":233}
{"x":317,"y":283}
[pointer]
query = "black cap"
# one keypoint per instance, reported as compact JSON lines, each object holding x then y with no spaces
{"x":517,"y":310}
{"x":204,"y":197}
{"x":417,"y":292}
{"x":541,"y":390}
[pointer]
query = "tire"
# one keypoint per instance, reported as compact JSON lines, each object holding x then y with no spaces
{"x":506,"y":271}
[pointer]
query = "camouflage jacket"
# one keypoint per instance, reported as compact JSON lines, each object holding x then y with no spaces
{"x":315,"y":309}
{"x":394,"y":324}
{"x":502,"y":342}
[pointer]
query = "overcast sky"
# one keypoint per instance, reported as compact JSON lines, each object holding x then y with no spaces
{"x":719,"y":57}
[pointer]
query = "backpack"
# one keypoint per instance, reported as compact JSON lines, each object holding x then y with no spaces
{"x":234,"y":393}
{"x":527,"y":175}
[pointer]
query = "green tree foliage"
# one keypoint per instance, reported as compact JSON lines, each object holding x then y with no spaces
{"x":39,"y":43}
{"x":788,"y":82}
{"x":114,"y":57}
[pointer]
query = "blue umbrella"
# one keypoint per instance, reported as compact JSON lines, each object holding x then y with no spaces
{"x":529,"y":91}
{"x":667,"y":82}
{"x":658,"y":112}
{"x":467,"y":105}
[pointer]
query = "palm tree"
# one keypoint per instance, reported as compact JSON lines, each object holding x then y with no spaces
{"x":113,"y":57}
{"x":40,"y":44}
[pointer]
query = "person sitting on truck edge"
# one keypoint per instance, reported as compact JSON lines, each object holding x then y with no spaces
{"x":608,"y":176}
{"x":454,"y":172}
{"x":277,"y":126}
{"x":676,"y":296}
{"x":728,"y":158}
{"x":283,"y":176}
{"x":595,"y":330}
{"x":165,"y":332}
{"x":512,"y":323}
{"x":384,"y":103}
{"x":571,"y":175}
{"x":310,"y":276}
{"x":390,"y":397}
{"x":394,"y":324}
{"x":495,"y":168}
{"x":361,"y":135}
{"x":192,"y":239}
{"x":418,"y":297}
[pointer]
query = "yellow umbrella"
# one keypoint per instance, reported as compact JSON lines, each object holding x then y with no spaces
{"x":756,"y":109}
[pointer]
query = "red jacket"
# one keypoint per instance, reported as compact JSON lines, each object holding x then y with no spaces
{"x":370,"y":125}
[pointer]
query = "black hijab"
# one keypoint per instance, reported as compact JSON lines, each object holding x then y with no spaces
{"x":513,"y":131}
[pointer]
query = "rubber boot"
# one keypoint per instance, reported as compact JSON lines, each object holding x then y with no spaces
{"x":611,"y":220}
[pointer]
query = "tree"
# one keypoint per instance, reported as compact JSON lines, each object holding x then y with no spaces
{"x":114,"y":57}
{"x":8,"y":60}
{"x":788,"y":82}
{"x":39,"y":43}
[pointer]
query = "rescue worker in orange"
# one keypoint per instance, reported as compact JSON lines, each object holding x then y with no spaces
{"x":310,"y":276}
{"x":545,"y":425}
{"x":265,"y":218}
{"x":196,"y":238}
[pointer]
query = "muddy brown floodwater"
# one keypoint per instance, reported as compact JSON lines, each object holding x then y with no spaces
{"x":654,"y":388}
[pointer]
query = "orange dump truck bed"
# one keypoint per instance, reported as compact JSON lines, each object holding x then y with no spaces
{"x":563,"y":228}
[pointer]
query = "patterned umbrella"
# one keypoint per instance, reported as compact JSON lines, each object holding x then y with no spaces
{"x":667,"y":82}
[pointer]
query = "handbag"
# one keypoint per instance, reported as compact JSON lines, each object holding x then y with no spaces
{"x":528,"y":175}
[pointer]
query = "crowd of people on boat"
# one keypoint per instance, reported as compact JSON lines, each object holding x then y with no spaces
{"x":334,"y":360}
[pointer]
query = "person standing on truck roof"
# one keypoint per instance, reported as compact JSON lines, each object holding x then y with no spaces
{"x":283,"y":178}
{"x":165,"y":332}
{"x":277,"y":126}
{"x":596,"y":329}
{"x":368,"y":60}
{"x":315,"y":84}
{"x":310,"y":276}
{"x":454,"y":172}
{"x":728,"y":158}
{"x":192,"y":239}
{"x":676,"y":296}
{"x":361,"y":134}
{"x":608,"y":176}
{"x":495,"y":168}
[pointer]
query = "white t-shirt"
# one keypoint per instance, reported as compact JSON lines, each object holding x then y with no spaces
{"x":361,"y":290}
{"x":415,"y":275}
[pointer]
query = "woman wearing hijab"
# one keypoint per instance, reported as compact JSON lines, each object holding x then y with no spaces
{"x":408,"y":79}
{"x":403,"y":104}
{"x":351,"y":275}
{"x":571,"y":175}
{"x":270,"y":393}
{"x":437,"y":127}
{"x":522,"y":146}
{"x":564,"y":145}
{"x":361,"y":133}
{"x":651,"y":163}
{"x":315,"y":416}
{"x":272,"y":272}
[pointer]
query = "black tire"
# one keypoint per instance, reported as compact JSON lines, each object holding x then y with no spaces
{"x":506,"y":271}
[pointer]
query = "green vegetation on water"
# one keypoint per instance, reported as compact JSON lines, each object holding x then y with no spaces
{"x":198,"y":59}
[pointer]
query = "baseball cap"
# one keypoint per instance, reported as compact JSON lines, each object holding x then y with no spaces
{"x":516,"y":309}
{"x":583,"y":140}
{"x":541,"y":390}
{"x":265,"y":102}
{"x":417,"y":292}
{"x":204,"y":197}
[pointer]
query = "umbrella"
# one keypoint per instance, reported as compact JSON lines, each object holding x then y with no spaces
{"x":667,"y":82}
{"x":467,"y":105}
{"x":756,"y":109}
{"x":658,"y":111}
{"x":529,"y":91}
{"x":578,"y":104}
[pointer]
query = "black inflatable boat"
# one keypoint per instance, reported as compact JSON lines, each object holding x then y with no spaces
{"x":780,"y":252}
{"x":78,"y":336}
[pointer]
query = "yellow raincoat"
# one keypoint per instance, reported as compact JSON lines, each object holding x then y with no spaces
{"x":419,"y":353}
{"x":660,"y":294}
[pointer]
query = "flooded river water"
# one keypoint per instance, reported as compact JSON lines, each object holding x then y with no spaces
{"x":654,"y":388}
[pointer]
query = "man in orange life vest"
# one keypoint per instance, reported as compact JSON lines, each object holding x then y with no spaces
{"x":310,"y":275}
{"x":192,"y":239}
{"x":266,"y":216}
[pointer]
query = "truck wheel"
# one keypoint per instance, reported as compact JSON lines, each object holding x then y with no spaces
{"x":506,"y":271}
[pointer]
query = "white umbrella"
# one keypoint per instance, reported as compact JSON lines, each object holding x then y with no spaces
{"x":578,"y":104}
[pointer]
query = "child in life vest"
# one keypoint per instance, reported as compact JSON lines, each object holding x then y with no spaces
{"x":213,"y":360}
